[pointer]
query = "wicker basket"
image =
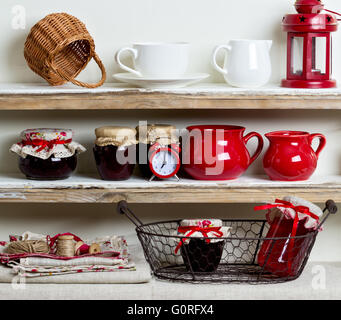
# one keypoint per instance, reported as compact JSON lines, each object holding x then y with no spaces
{"x":59,"y":47}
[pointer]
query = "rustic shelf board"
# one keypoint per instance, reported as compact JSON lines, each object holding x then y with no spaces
{"x":204,"y":96}
{"x":88,"y":188}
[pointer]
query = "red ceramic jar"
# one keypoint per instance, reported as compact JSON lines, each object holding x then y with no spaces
{"x":290,"y":156}
{"x":218,"y":152}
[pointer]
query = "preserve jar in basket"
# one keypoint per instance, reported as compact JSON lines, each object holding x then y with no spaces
{"x":291,"y":222}
{"x":59,"y":47}
{"x":202,"y":255}
{"x":233,"y":250}
{"x":47,"y":154}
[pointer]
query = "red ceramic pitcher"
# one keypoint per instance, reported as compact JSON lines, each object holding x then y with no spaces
{"x":290,"y":156}
{"x":218,"y":152}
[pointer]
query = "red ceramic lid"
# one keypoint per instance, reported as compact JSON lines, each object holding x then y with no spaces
{"x":309,"y":6}
{"x":309,"y":23}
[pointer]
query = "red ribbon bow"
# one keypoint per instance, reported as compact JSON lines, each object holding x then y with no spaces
{"x":286,"y":204}
{"x":192,"y":229}
{"x":298,"y":209}
{"x":42,"y":144}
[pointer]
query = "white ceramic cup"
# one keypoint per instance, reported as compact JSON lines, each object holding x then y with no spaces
{"x":157,"y":60}
{"x":247,"y":62}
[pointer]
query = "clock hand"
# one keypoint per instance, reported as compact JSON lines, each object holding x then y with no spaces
{"x":164,"y":164}
{"x":164,"y":161}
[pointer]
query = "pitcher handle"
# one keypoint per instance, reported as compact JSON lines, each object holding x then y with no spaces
{"x":322,"y":144}
{"x":214,"y":58}
{"x":260,"y":144}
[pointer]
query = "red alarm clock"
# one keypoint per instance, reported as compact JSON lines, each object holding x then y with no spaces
{"x":164,"y":161}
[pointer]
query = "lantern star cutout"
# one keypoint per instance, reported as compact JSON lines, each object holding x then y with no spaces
{"x":302,"y":19}
{"x":329,"y":19}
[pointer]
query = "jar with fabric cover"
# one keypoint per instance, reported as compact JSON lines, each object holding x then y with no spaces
{"x":115,"y":152}
{"x":202,"y":255}
{"x":290,"y":220}
{"x":47,"y":153}
{"x":148,"y":136}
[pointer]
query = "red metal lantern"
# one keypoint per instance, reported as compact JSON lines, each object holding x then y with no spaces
{"x":309,"y":52}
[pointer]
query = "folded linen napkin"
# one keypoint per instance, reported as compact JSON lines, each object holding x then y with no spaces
{"x":40,"y":271}
{"x":86,"y":261}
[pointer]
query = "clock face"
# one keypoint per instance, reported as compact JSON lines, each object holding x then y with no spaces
{"x":165,"y":163}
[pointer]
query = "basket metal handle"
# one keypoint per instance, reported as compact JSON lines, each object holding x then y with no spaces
{"x":122,"y":208}
{"x":331,"y":208}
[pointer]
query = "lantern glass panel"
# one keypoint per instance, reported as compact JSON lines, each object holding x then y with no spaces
{"x":297,"y":55}
{"x":319,"y":58}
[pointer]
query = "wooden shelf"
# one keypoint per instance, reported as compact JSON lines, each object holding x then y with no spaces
{"x":89,"y":189}
{"x":203,"y":96}
{"x":80,"y":189}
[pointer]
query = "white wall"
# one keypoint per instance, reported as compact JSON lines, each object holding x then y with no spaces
{"x":115,"y":23}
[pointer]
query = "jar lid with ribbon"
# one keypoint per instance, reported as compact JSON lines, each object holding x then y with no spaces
{"x":45,"y":142}
{"x":294,"y":208}
{"x":202,"y":228}
{"x":116,"y":136}
{"x":163,"y":134}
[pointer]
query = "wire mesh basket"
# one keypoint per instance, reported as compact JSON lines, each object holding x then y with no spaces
{"x":239,"y":258}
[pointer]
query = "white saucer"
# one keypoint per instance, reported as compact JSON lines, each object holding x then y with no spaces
{"x":153,"y":83}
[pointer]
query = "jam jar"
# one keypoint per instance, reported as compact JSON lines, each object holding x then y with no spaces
{"x":283,"y":253}
{"x":148,"y":136}
{"x":47,"y":154}
{"x":115,"y":152}
{"x":200,"y":254}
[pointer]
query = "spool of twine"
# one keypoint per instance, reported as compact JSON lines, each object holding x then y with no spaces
{"x":65,"y":246}
{"x":28,"y":246}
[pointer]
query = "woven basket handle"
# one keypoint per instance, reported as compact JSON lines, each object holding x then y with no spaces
{"x":84,"y":84}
